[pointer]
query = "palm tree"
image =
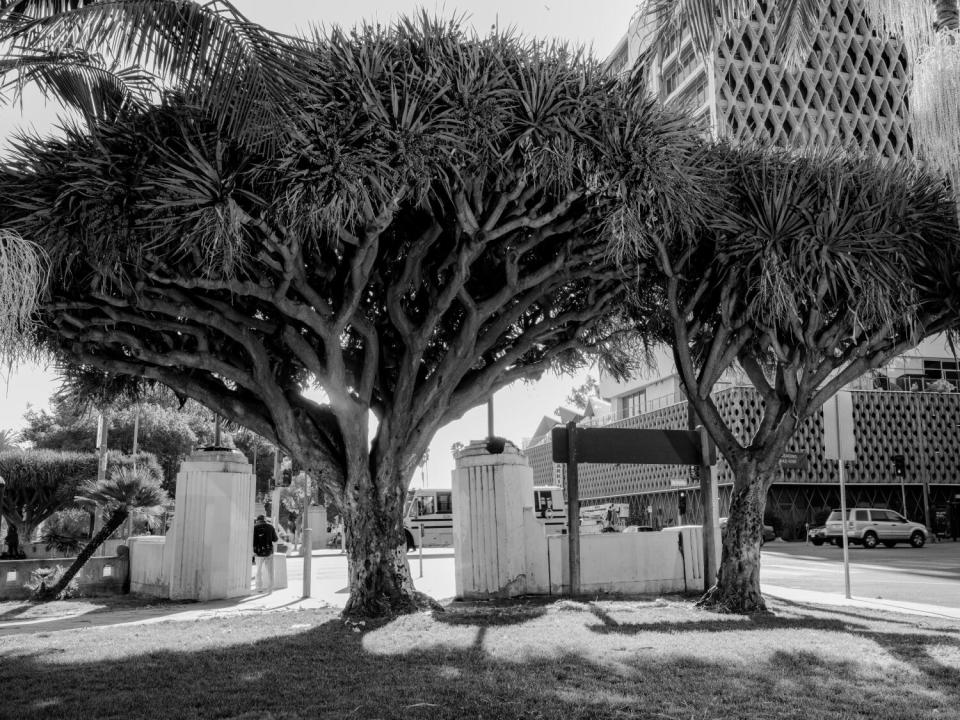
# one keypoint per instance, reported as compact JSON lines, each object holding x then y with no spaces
{"x":99,"y":56}
{"x":929,"y":29}
{"x":126,"y":491}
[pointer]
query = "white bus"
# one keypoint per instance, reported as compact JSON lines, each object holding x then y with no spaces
{"x":430,"y":512}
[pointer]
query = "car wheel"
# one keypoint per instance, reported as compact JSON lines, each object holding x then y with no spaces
{"x":889,"y":543}
{"x":411,"y":545}
{"x":917,"y":539}
{"x":818,"y":543}
{"x":870,"y":540}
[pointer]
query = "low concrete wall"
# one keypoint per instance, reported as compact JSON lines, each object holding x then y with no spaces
{"x":629,"y":563}
{"x":149,"y":560}
{"x":100,"y":576}
{"x":147,"y":574}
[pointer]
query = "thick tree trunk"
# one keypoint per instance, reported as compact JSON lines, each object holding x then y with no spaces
{"x":737,"y":589}
{"x":380,"y":581}
{"x":44,"y":594}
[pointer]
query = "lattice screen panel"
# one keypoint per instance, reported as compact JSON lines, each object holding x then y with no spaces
{"x":924,"y":427}
{"x":852,"y":91}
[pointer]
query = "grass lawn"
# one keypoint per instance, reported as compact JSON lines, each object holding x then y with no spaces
{"x":561,"y":660}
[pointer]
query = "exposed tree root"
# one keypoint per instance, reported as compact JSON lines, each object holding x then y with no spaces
{"x":716,"y":601}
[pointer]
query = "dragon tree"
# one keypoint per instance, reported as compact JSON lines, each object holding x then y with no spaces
{"x":805,"y":273}
{"x":435,"y":229}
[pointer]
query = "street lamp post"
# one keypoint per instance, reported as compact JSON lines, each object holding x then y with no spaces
{"x":921,"y":470}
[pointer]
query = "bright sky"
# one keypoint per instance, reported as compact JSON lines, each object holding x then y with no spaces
{"x":517,"y":409}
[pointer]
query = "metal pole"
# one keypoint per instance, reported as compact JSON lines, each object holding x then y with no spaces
{"x":573,"y":508}
{"x":711,"y":513}
{"x":421,"y":548}
{"x":903,"y":497}
{"x":925,"y":488}
{"x":843,"y":531}
{"x":3,"y":487}
{"x":307,"y":544}
{"x":275,"y":493}
{"x":490,"y":417}
{"x":136,"y":434}
{"x":102,"y":430}
{"x":136,"y":438}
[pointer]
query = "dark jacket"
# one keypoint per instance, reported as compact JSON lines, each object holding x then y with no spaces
{"x":264,"y":536}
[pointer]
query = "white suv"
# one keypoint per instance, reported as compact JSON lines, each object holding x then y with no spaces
{"x":870,"y":526}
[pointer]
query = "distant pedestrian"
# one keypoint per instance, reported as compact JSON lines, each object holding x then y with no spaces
{"x":12,"y":541}
{"x":292,"y":524}
{"x":264,"y":536}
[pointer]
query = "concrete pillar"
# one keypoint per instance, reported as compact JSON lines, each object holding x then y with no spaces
{"x":489,"y":494}
{"x":318,"y":527}
{"x":212,"y":536}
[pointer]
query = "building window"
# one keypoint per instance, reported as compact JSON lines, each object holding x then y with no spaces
{"x":444,"y":504}
{"x":680,"y":69}
{"x":633,"y":404}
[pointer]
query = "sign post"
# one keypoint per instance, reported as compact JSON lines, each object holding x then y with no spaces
{"x":573,"y":508}
{"x":573,"y":445}
{"x":839,"y":445}
{"x":709,"y":496}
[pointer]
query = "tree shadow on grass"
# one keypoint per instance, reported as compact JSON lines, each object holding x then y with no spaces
{"x":944,"y":624}
{"x":311,"y":664}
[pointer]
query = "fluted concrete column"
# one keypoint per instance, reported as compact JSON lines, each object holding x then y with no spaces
{"x":489,"y":494}
{"x":212,"y":535}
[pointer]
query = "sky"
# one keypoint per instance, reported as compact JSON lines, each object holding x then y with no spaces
{"x":518,"y":408}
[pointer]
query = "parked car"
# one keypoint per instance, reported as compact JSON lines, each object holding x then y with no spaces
{"x":817,"y":535}
{"x":871,"y":526}
{"x":638,"y":528}
{"x":767,"y":535}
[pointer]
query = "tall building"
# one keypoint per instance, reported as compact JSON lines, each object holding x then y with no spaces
{"x":851,"y":93}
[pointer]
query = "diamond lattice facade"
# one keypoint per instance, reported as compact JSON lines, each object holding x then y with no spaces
{"x":851,"y":92}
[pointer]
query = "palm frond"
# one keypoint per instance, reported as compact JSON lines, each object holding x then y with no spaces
{"x":798,"y":22}
{"x":126,"y":488}
{"x":706,"y":20}
{"x":80,"y":81}
{"x":236,"y":71}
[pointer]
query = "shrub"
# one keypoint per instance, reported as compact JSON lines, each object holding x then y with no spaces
{"x":46,"y":577}
{"x":66,"y":530}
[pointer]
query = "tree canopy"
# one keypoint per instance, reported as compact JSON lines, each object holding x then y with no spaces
{"x":436,"y":229}
{"x":41,"y":482}
{"x":165,"y":428}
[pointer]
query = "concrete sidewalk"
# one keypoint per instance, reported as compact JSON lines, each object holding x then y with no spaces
{"x":329,"y":590}
{"x":827,"y":600}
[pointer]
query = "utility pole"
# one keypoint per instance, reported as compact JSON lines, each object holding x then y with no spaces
{"x":307,"y":544}
{"x":573,"y":509}
{"x":103,"y":423}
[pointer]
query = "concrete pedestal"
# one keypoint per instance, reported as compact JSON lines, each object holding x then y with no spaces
{"x":318,"y":527}
{"x":489,"y":494}
{"x":211,"y":540}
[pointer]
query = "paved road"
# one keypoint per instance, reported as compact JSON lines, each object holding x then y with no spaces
{"x":930,"y":574}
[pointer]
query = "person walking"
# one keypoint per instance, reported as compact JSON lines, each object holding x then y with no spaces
{"x":264,"y":537}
